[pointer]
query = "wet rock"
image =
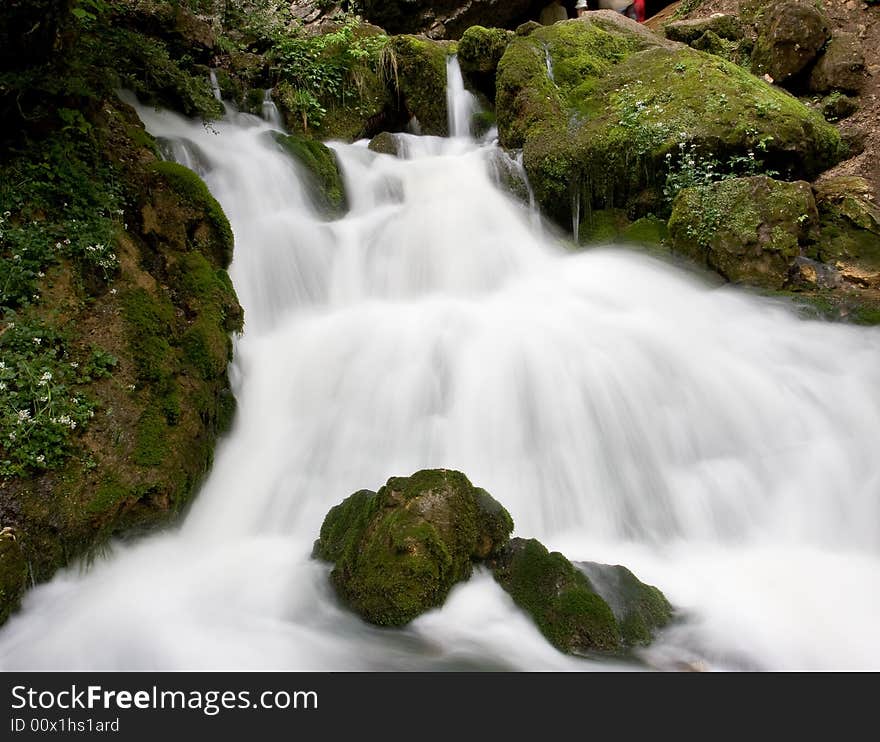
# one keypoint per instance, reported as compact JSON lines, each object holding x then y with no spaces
{"x":850,"y":222}
{"x":812,"y":274}
{"x":747,"y":229}
{"x":319,"y":161}
{"x":397,"y":552}
{"x":13,"y":573}
{"x":838,"y":106}
{"x":385,"y":143}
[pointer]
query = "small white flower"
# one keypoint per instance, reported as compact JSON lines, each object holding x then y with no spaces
{"x":3,"y":365}
{"x":2,"y":386}
{"x":72,"y":424}
{"x":23,"y":415}
{"x":37,"y":341}
{"x":113,"y":291}
{"x":7,"y":214}
{"x":74,"y":364}
{"x":12,"y":436}
{"x":41,"y":458}
{"x":16,"y":257}
{"x":47,"y":376}
{"x":41,"y":274}
{"x":57,"y":245}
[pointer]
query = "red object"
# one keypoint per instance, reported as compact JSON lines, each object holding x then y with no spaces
{"x":639,"y":5}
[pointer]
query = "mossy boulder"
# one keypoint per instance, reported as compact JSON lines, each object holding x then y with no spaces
{"x":791,"y":33}
{"x":421,"y":81}
{"x":479,"y":52}
{"x":397,"y":552}
{"x":640,"y":609}
{"x":838,"y":106}
{"x":561,"y":600}
{"x":13,"y":573}
{"x":385,"y":143}
{"x":688,"y":31}
{"x":322,"y":167}
{"x":841,"y":66}
{"x":188,"y":214}
{"x":620,"y":99}
{"x":749,"y":230}
{"x":850,"y":222}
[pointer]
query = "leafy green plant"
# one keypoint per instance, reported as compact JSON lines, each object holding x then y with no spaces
{"x":40,"y":407}
{"x":317,"y":71}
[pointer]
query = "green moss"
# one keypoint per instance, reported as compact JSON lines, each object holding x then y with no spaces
{"x":621,"y":102}
{"x":109,"y":495}
{"x":421,"y":81}
{"x":649,"y":230}
{"x":152,"y":446}
{"x":13,"y":574}
{"x":399,"y":551}
{"x":480,"y":49}
{"x":559,"y":598}
{"x":747,"y":229}
{"x":640,"y":609}
{"x":193,"y":190}
{"x":148,"y":326}
{"x":320,"y":163}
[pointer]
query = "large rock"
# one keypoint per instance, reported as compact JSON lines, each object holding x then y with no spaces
{"x":448,"y":18}
{"x":421,"y":81}
{"x":322,"y":170}
{"x":479,"y":52}
{"x":620,"y":99}
{"x":640,"y":609}
{"x":580,"y":608}
{"x":841,"y":67}
{"x":749,"y":230}
{"x":790,"y":37}
{"x":850,"y":222}
{"x":688,"y":31}
{"x":397,"y":552}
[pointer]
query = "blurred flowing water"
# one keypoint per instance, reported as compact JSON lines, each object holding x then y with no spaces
{"x":717,"y":444}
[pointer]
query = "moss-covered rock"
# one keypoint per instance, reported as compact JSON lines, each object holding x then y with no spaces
{"x":620,"y":99}
{"x":747,"y":229}
{"x":838,"y":106}
{"x":841,"y":66}
{"x":791,"y":33}
{"x":421,"y":81}
{"x":688,"y":31}
{"x":385,"y":143}
{"x":560,"y":598}
{"x":397,"y":552}
{"x":201,"y":219}
{"x":479,"y":52}
{"x":13,"y":573}
{"x":319,"y":161}
{"x":640,"y":609}
{"x":850,"y":222}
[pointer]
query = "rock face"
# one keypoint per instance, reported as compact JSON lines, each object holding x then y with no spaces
{"x":580,"y":608}
{"x":448,"y":18}
{"x":841,"y":67}
{"x":747,"y":229}
{"x":421,"y":81}
{"x":385,"y":143}
{"x":790,"y":36}
{"x":620,"y":99}
{"x":640,"y":609}
{"x":479,"y":52}
{"x":397,"y":552}
{"x":328,"y":189}
{"x":559,"y":598}
{"x":850,"y":222}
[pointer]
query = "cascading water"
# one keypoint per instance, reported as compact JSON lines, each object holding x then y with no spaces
{"x":461,"y":105}
{"x":714,"y":442}
{"x":270,"y":110}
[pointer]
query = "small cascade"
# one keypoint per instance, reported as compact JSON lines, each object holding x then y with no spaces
{"x":270,"y":111}
{"x":215,"y":86}
{"x":461,"y":104}
{"x":575,"y":211}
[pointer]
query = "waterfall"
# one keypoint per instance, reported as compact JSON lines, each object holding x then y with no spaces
{"x":270,"y":110}
{"x":714,"y":442}
{"x":460,"y":103}
{"x":548,"y":62}
{"x":215,"y":86}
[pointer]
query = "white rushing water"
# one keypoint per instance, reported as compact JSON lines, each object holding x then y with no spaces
{"x":718,"y":445}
